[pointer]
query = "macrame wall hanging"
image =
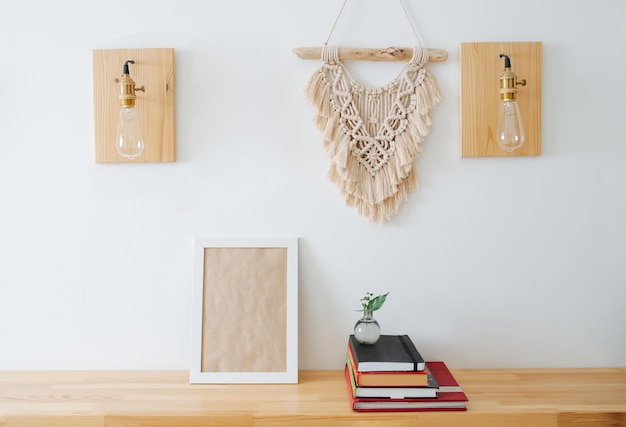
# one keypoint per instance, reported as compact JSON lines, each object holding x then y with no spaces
{"x":373,"y":135}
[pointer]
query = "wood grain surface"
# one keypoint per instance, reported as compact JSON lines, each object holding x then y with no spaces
{"x":531,"y":397}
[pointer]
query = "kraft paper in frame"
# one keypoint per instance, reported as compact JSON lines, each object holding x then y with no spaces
{"x":244,"y":318}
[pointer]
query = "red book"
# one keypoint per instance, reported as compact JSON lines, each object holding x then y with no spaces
{"x":450,"y":397}
{"x":388,"y":378}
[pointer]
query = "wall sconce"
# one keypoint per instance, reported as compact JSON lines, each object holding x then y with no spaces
{"x":491,"y":116}
{"x":510,"y":129}
{"x":128,"y":141}
{"x":127,"y":129}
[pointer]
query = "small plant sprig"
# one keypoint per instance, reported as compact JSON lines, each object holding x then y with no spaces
{"x":371,"y":302}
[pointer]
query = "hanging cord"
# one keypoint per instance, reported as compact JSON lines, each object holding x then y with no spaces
{"x":406,"y":14}
{"x":336,"y":20}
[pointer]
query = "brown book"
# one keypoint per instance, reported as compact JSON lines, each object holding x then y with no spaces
{"x":388,"y":378}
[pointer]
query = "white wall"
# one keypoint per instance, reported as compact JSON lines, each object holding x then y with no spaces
{"x":491,"y":263}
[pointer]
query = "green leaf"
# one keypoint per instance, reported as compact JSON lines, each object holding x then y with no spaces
{"x":377,"y":302}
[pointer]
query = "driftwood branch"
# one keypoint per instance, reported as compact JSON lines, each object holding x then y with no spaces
{"x":371,"y":54}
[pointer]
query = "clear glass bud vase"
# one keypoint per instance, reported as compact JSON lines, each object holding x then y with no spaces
{"x":367,"y":329}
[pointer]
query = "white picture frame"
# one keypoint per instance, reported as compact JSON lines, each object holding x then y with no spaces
{"x":245,"y":310}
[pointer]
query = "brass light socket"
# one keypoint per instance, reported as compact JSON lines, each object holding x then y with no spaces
{"x":126,"y":95}
{"x":508,"y":85}
{"x":127,"y":87}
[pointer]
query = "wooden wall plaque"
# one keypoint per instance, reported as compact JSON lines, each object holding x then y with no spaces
{"x":154,"y":69}
{"x":480,"y":69}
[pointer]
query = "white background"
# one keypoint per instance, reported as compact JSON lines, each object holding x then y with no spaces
{"x":505,"y":262}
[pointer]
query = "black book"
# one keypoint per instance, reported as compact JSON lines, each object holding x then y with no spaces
{"x":389,"y":353}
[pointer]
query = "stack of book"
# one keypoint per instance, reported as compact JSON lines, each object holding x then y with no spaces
{"x":391,"y":375}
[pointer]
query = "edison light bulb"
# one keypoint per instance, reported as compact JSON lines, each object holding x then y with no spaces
{"x":129,"y":142}
{"x":510,"y":129}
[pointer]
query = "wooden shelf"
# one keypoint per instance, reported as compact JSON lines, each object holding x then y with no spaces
{"x":548,"y":397}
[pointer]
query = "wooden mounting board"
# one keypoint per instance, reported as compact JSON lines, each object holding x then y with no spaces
{"x":480,"y":69}
{"x":154,"y":69}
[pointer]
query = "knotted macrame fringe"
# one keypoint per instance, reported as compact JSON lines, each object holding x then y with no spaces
{"x":376,"y":192}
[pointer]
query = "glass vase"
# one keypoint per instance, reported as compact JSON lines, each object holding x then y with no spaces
{"x":367,"y":329}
